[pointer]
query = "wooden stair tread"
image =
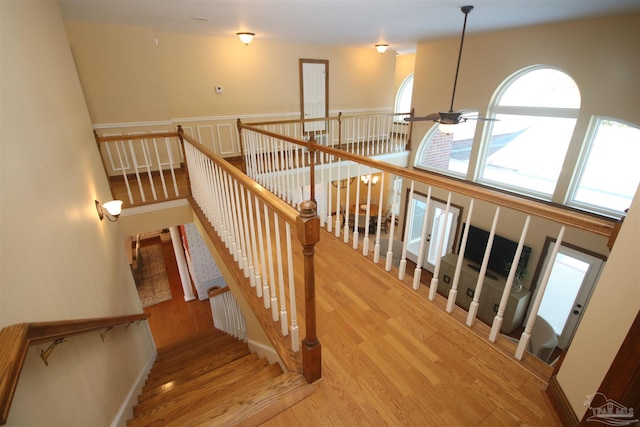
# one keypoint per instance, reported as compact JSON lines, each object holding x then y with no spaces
{"x":211,"y":337}
{"x":260,"y":404}
{"x":211,"y":398}
{"x":212,"y":381}
{"x":190,"y":360}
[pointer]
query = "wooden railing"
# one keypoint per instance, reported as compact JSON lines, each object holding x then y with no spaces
{"x":328,"y":173}
{"x":144,"y":168}
{"x":245,"y":220}
{"x":15,"y":341}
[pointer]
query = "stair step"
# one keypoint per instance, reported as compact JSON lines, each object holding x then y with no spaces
{"x":211,"y":398}
{"x":213,"y":380}
{"x":163,"y":372}
{"x":211,"y":337}
{"x":195,"y":346}
{"x":258,"y":405}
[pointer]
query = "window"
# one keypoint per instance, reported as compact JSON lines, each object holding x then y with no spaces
{"x":525,"y":149}
{"x":608,"y":172}
{"x":447,"y":152}
{"x":403,"y":97}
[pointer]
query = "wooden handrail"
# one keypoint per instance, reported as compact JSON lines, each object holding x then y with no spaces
{"x":16,"y":339}
{"x":134,"y":137}
{"x":592,"y":223}
{"x":285,"y":211}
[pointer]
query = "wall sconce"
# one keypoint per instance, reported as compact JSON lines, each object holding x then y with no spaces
{"x":111,"y":210}
{"x":382,"y":48}
{"x":365,"y":179}
{"x":246,"y":37}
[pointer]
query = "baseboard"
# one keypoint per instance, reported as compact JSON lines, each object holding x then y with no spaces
{"x":126,"y":409}
{"x":264,"y":351}
{"x":561,"y":404}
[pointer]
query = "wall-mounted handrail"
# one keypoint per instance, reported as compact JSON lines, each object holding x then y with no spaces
{"x":15,"y":341}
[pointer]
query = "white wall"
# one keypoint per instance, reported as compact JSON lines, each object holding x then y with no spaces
{"x":58,"y":260}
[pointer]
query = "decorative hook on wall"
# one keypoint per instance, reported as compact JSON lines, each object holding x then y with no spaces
{"x":44,"y":354}
{"x":104,"y":334}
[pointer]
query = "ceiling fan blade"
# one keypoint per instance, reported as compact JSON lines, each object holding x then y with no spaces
{"x":484,"y":119}
{"x":428,"y":117}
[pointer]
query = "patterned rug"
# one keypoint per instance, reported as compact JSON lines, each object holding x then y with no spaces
{"x":151,"y":279}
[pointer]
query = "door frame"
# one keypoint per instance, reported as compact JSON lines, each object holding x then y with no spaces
{"x":458,"y":221}
{"x":301,"y":63}
{"x":546,"y":250}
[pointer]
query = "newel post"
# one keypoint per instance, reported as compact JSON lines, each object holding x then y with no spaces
{"x":241,"y":141}
{"x":308,"y":225}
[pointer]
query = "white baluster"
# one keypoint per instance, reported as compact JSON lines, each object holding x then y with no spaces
{"x":356,"y":212}
{"x":338,"y":204}
{"x":295,"y":340}
{"x":409,"y":220}
{"x":433,"y":288}
{"x":283,"y":307}
{"x":367,"y":221}
{"x":376,"y":247}
{"x":497,"y":320}
{"x":272,"y":302}
{"x":389,"y":257}
{"x":346,"y":203}
{"x":453,"y":292}
{"x":417,"y":273}
{"x":260,"y":289}
{"x":526,"y":335}
{"x":473,"y":307}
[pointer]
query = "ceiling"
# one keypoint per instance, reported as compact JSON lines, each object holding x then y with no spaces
{"x":400,"y":23}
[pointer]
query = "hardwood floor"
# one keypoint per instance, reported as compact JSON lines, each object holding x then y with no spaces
{"x":176,"y":320}
{"x":391,"y":357}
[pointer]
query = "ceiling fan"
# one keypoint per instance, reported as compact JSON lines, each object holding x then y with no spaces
{"x":448,"y":119}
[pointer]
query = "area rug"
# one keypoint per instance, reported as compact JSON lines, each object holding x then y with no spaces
{"x":151,"y":280}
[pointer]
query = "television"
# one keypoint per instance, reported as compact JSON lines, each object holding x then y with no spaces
{"x":502,"y":251}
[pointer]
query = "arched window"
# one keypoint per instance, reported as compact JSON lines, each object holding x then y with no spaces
{"x":607,"y":173}
{"x":524,"y":150}
{"x":403,"y":97}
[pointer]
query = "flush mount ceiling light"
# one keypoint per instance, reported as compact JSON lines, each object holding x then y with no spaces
{"x":382,"y":48}
{"x":246,"y":37}
{"x":111,"y":210}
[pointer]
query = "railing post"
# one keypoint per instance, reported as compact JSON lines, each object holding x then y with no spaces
{"x":244,"y":164}
{"x":410,"y":131}
{"x":312,"y":168}
{"x":308,"y":225}
{"x":184,"y":156}
{"x":340,"y":130}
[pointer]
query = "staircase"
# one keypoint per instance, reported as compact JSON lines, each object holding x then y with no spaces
{"x":214,"y":379}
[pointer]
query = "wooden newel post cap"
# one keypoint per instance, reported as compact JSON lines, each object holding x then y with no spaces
{"x":308,"y":223}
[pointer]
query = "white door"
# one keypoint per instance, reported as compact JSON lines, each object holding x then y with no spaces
{"x":573,"y":277}
{"x":435,"y":220}
{"x":314,"y":92}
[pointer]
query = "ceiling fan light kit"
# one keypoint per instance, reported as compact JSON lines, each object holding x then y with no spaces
{"x":449,"y":119}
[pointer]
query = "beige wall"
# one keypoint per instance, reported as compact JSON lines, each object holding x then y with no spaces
{"x":594,"y":52}
{"x":405,"y":66}
{"x":58,"y":260}
{"x":597,"y":54}
{"x":611,"y":311}
{"x":127,"y":78}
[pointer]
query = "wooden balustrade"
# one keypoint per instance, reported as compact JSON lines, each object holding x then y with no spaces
{"x":15,"y":341}
{"x":246,"y":219}
{"x":329,"y":165}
